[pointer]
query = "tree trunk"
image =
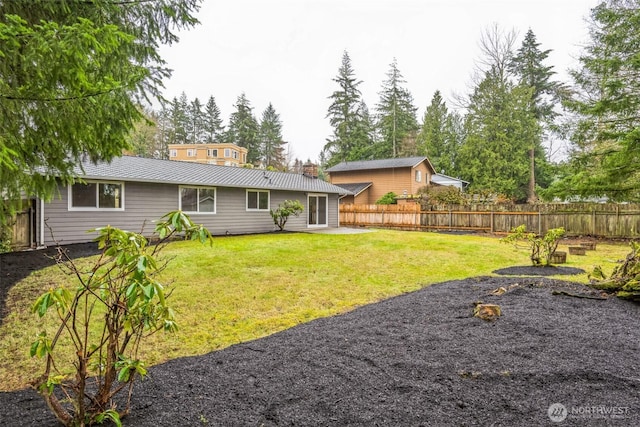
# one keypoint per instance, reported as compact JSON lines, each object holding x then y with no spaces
{"x":531,"y":190}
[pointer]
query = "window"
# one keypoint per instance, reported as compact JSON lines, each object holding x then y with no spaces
{"x":257,"y":200}
{"x":191,"y":152}
{"x":212,"y":152}
{"x":234,"y":154}
{"x":418,"y":176}
{"x":96,"y":195}
{"x":198,"y":199}
{"x":227,"y":152}
{"x":173,"y":153}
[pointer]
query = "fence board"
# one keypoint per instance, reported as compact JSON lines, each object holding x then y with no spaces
{"x":602,"y":220}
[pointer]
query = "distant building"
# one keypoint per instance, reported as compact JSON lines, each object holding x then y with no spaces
{"x":223,"y":154}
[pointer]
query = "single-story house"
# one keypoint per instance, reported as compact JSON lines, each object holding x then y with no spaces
{"x":130,"y":192}
{"x":369,"y":180}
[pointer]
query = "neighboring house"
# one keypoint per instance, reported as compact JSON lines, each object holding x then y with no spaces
{"x":369,"y":180}
{"x":225,"y":154}
{"x":449,"y":181}
{"x":131,"y":192}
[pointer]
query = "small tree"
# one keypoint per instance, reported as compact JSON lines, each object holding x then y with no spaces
{"x":116,"y":304}
{"x":284,"y":210}
{"x":542,"y":248}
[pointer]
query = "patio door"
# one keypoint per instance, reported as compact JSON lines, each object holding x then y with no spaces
{"x":318,"y":210}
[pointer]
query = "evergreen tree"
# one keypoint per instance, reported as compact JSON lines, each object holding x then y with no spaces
{"x":71,"y":75}
{"x":243,"y":129}
{"x":528,"y":67}
{"x":164,"y":132}
{"x":440,"y":136}
{"x":606,"y":158}
{"x":273,"y":154}
{"x":195,"y":122}
{"x":179,"y":120}
{"x":396,"y":114}
{"x":213,"y":128}
{"x":144,"y":139}
{"x":431,"y":139}
{"x":348,"y":116}
{"x":500,"y":129}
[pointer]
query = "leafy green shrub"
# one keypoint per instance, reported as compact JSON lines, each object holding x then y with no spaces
{"x":284,"y":211}
{"x":6,"y":234}
{"x":387,"y":199}
{"x":442,"y":195}
{"x":117,"y":302}
{"x":542,"y":248}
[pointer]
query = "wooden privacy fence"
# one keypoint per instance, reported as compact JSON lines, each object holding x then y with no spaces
{"x":594,"y":219}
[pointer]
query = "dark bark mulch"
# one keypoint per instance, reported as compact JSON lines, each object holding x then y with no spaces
{"x":543,"y":270}
{"x":15,"y":266}
{"x":417,"y":359}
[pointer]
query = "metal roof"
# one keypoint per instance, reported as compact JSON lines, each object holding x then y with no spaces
{"x":402,"y":162}
{"x":356,"y":187}
{"x":139,"y":169}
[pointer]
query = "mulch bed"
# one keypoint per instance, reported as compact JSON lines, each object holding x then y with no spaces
{"x":416,"y":359}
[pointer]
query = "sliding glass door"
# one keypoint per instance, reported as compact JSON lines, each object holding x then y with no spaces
{"x":318,"y":210}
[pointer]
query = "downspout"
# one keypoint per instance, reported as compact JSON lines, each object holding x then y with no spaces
{"x":41,"y":223}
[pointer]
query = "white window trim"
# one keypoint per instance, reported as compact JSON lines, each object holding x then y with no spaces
{"x":70,"y":206}
{"x":192,"y":152}
{"x":418,"y":176}
{"x":173,"y":153}
{"x":258,"y":208}
{"x":215,"y":201}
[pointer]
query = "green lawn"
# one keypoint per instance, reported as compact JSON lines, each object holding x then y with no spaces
{"x":247,"y":287}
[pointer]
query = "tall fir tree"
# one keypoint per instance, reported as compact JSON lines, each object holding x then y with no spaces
{"x":431,"y":139}
{"x":212,"y":122}
{"x":72,"y":76}
{"x":348,"y":117}
{"x":606,"y":156}
{"x":500,"y":129}
{"x":396,"y":115}
{"x":243,"y":129}
{"x":179,"y":119}
{"x":530,"y":70}
{"x":273,"y":153}
{"x":195,"y":122}
{"x":440,"y":136}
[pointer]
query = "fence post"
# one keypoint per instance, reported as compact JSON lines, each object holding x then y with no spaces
{"x":539,"y":222}
{"x":491,"y":221}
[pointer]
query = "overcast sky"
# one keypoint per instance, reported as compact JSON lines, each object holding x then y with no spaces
{"x":288,"y":51}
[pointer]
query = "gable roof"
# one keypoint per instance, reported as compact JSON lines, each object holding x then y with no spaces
{"x":442,"y":179}
{"x":139,"y":169}
{"x":355,"y":188}
{"x":401,"y":162}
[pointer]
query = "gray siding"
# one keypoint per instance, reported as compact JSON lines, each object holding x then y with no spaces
{"x":146,"y":202}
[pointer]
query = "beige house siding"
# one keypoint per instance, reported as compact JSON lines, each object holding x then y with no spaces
{"x":204,"y":153}
{"x":397,"y":180}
